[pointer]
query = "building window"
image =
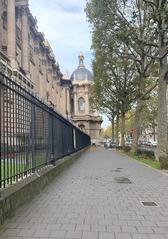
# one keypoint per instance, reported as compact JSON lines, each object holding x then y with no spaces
{"x":72,"y":106}
{"x":18,"y":36}
{"x":31,"y":54}
{"x":4,"y":20}
{"x":4,"y":14}
{"x":82,"y":127}
{"x":4,"y":3}
{"x":4,"y":49}
{"x":81,"y":104}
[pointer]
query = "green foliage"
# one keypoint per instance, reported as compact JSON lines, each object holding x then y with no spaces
{"x":119,"y":35}
{"x":127,"y":149}
{"x":146,"y":153}
{"x":149,"y":113}
{"x":108,"y":131}
{"x":114,"y":77}
{"x":145,"y":160}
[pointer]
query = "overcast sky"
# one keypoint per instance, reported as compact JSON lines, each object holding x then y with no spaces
{"x":65,"y":26}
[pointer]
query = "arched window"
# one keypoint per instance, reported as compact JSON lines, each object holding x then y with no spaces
{"x":4,"y":20}
{"x":81,"y":104}
{"x":82,"y":127}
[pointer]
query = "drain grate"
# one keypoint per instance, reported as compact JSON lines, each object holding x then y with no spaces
{"x":149,"y":204}
{"x":122,"y":180}
{"x":115,"y":171}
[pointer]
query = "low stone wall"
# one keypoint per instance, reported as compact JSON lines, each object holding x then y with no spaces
{"x":16,"y":195}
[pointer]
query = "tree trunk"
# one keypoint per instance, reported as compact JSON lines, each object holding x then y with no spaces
{"x":162,"y":146}
{"x":112,"y":129}
{"x":139,"y":107}
{"x":162,"y":134}
{"x":154,"y":131}
{"x":137,"y":125}
{"x":122,"y":129}
{"x":117,"y":130}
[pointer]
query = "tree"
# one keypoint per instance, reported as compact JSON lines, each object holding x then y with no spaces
{"x":158,"y":16}
{"x":113,"y":91}
{"x":115,"y":79}
{"x":117,"y":23}
{"x":108,"y":131}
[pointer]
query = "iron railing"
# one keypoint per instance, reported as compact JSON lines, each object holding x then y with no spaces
{"x":32,"y":134}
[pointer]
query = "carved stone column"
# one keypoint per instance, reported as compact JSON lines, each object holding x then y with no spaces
{"x":68,"y":102}
{"x":37,"y":62}
{"x":11,"y":32}
{"x":75,"y":102}
{"x":25,"y":40}
{"x":87,"y":110}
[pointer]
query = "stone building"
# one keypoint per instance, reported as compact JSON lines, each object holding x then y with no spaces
{"x":82,"y":113}
{"x":29,"y":58}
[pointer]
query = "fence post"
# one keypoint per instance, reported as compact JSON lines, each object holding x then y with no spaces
{"x":51,"y":139}
{"x":74,"y":137}
{"x":33,"y":118}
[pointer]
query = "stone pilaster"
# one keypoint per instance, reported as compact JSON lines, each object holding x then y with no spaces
{"x":87,"y":102}
{"x":25,"y":41}
{"x":37,"y":74}
{"x":68,"y":102}
{"x":75,"y":102}
{"x":0,"y":24}
{"x":11,"y":32}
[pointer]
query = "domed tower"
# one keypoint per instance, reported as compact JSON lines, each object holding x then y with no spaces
{"x":82,"y":114}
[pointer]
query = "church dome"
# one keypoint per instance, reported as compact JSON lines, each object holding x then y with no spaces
{"x":81,"y":73}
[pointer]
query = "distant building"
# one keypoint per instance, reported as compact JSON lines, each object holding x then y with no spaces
{"x":27,"y":57}
{"x":82,"y":113}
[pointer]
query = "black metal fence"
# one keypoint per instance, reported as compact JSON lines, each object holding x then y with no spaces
{"x":32,"y":134}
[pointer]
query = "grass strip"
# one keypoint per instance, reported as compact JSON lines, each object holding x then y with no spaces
{"x":143,"y":159}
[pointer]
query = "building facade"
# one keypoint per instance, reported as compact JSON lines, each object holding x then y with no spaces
{"x":27,"y":57}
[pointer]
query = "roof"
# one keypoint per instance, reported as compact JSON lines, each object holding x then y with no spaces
{"x":81,"y":73}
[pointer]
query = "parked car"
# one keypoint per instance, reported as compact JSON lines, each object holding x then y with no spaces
{"x":128,"y":142}
{"x":154,"y":143}
{"x":110,"y":144}
{"x":113,"y":144}
{"x":147,"y":143}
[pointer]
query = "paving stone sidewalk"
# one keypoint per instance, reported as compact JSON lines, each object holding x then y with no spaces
{"x":98,"y":197}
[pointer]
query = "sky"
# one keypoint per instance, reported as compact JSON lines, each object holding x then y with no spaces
{"x":64,"y":24}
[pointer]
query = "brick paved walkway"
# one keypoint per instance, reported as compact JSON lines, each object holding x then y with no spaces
{"x":86,"y":202}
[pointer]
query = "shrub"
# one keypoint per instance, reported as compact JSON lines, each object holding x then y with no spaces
{"x":127,"y":148}
{"x":146,"y":153}
{"x":118,"y":147}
